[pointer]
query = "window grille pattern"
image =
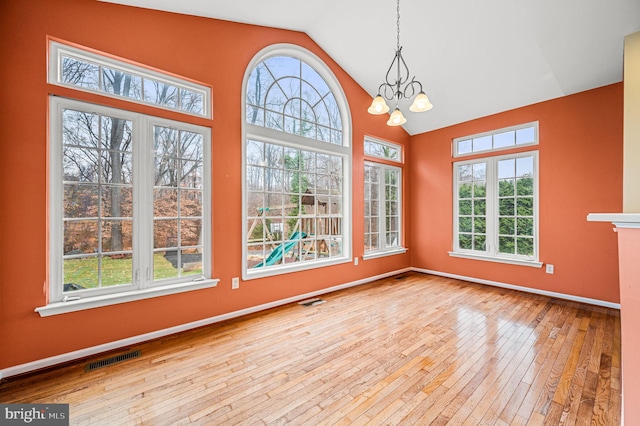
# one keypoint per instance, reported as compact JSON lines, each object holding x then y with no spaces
{"x":286,"y":94}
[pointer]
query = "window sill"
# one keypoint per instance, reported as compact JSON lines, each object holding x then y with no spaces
{"x":383,"y":253}
{"x":58,"y":308}
{"x":520,"y":262}
{"x":292,"y":267}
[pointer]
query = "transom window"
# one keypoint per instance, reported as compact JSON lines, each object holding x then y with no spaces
{"x":382,"y":149}
{"x":511,"y":137}
{"x":106,"y":75}
{"x":297,"y":159}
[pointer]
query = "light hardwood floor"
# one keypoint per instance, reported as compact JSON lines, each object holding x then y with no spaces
{"x":414,"y":349}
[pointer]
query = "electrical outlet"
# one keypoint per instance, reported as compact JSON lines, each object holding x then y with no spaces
{"x":355,"y":261}
{"x":235,"y":283}
{"x":549,"y":269}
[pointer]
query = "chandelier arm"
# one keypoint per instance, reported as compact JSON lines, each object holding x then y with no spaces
{"x":411,"y":85}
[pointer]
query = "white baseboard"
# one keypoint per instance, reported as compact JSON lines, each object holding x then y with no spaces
{"x":94,"y":350}
{"x":524,"y":289}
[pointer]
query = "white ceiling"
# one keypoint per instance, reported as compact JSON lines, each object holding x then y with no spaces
{"x":474,"y":58}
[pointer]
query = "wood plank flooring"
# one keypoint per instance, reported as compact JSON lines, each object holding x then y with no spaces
{"x":414,"y":349}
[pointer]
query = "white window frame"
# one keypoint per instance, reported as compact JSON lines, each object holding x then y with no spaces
{"x":143,"y":285}
{"x":272,"y":136}
{"x":492,"y":136}
{"x":385,"y":250}
{"x":58,"y":50}
{"x":491,"y":254}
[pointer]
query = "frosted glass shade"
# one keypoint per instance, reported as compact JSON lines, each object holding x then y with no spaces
{"x":378,"y":106}
{"x":396,"y":119}
{"x":421,"y":103}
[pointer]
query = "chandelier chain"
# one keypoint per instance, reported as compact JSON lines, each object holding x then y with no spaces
{"x":398,"y":24}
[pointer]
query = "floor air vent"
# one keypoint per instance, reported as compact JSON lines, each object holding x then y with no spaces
{"x":311,"y":302}
{"x":111,"y":360}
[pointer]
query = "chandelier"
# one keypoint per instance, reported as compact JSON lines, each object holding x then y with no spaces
{"x":399,"y":89}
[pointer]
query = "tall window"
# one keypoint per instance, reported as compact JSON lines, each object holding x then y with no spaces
{"x":297,"y":164}
{"x":129,"y":204}
{"x":382,"y":200}
{"x":495,"y":208}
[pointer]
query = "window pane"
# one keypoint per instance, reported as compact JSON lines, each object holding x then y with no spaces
{"x":479,"y":242}
{"x":165,"y":233}
{"x":116,"y":235}
{"x":506,"y":187}
{"x":506,"y":226}
{"x":506,"y":169}
{"x":464,"y":190}
{"x":117,"y":270}
{"x":507,"y":245}
{"x":81,"y":201}
{"x":465,"y":207}
{"x":524,"y":167}
{"x":80,"y":273}
{"x":505,"y":139}
{"x":480,"y":189}
{"x":80,"y":129}
{"x":165,"y":264}
{"x":480,"y":171}
{"x":526,"y":135}
{"x":525,"y":226}
{"x":159,"y":93}
{"x":80,"y":73}
{"x":117,"y":201}
{"x":80,"y":236}
{"x":479,"y":207}
{"x":482,"y":143}
{"x":465,"y":241}
{"x":465,"y":224}
{"x":525,"y":186}
{"x":525,"y":206}
{"x":190,"y":232}
{"x":506,"y":207}
{"x":464,"y":147}
{"x":165,"y":202}
{"x":525,"y":246}
{"x":191,"y":203}
{"x":191,"y":101}
{"x":480,"y":225}
{"x":81,"y":164}
{"x":465,"y":173}
{"x":121,"y":83}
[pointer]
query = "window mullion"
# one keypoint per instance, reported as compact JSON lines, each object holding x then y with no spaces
{"x":492,"y":207}
{"x":143,"y":208}
{"x":382,"y":202}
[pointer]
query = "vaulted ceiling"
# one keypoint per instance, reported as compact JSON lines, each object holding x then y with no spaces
{"x":474,"y":58}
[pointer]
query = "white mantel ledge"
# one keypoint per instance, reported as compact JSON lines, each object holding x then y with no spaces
{"x":620,"y":220}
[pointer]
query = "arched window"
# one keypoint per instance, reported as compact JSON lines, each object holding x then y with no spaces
{"x":297,"y":164}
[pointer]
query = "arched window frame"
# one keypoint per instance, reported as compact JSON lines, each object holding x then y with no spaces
{"x":289,"y":140}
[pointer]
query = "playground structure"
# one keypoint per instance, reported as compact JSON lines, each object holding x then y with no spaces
{"x":309,"y":237}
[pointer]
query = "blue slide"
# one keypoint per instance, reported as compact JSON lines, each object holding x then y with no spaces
{"x":281,"y":250}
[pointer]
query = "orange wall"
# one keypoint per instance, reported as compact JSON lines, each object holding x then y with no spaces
{"x":213,"y":52}
{"x":580,"y":169}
